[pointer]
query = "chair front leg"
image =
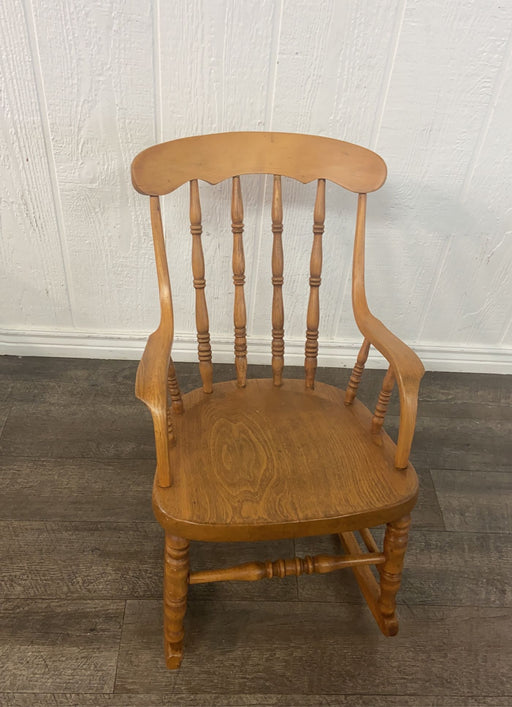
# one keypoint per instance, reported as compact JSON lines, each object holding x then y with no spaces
{"x":176,"y":571}
{"x":395,"y":545}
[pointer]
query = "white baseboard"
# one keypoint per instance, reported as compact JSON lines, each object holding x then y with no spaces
{"x":82,"y":344}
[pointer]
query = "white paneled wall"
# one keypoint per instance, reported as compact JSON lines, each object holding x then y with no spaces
{"x":86,"y":84}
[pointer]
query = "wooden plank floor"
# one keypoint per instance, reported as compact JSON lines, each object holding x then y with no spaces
{"x":81,"y":562}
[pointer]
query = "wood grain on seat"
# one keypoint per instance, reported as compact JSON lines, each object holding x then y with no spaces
{"x":266,"y":462}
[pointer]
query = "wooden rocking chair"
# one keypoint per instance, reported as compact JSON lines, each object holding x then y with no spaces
{"x":265,"y":459}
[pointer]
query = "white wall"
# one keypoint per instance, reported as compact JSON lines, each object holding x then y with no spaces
{"x":86,"y":84}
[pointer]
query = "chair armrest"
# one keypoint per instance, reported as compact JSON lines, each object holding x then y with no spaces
{"x":406,"y":366}
{"x":151,"y":388}
{"x":408,"y":371}
{"x":151,"y":380}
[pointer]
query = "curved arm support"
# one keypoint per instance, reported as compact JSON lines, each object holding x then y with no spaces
{"x":151,"y":388}
{"x":151,"y":381}
{"x":406,"y":365}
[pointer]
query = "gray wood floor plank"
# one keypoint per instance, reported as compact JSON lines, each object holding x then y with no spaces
{"x":74,"y":429}
{"x":485,"y":388}
{"x":143,"y":628}
{"x":80,"y":560}
{"x":124,"y":560}
{"x":457,"y":394}
{"x":59,"y":646}
{"x":306,"y":648}
{"x":245,"y":700}
{"x":34,"y":377}
{"x":441,"y":568}
{"x":456,"y":443}
{"x":5,"y":387}
{"x":427,"y":512}
{"x":116,"y":559}
{"x":459,"y":568}
{"x":119,"y":560}
{"x":465,"y":395}
{"x":475,"y":500}
{"x":5,"y":408}
{"x":461,"y":410}
{"x":76,"y":489}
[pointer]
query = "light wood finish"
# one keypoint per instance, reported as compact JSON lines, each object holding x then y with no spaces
{"x":382,"y":601}
{"x":171,"y":436}
{"x":174,"y":389}
{"x":203,"y":335}
{"x":277,"y":283}
{"x":406,"y":365}
{"x":239,"y":312}
{"x":382,"y":403}
{"x":151,"y":381}
{"x":369,"y":587}
{"x":269,"y":459}
{"x":295,"y":566}
{"x":395,"y":545}
{"x":278,"y":462}
{"x":163,"y":168}
{"x":357,"y":372}
{"x":314,"y":286}
{"x":368,"y":539}
{"x":175,"y":597}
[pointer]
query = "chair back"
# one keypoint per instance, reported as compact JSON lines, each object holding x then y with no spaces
{"x":163,"y":168}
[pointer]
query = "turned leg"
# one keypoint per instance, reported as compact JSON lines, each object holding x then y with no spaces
{"x":176,"y":569}
{"x":395,"y":545}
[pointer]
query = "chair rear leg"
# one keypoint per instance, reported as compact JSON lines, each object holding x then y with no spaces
{"x":395,"y":545}
{"x":176,"y":571}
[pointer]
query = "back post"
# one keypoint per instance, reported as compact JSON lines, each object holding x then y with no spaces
{"x":202,"y":324}
{"x":313,"y":316}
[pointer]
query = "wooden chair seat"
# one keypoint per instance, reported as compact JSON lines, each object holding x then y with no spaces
{"x":265,"y":462}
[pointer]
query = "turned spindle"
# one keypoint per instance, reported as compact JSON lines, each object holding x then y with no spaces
{"x":294,"y":566}
{"x":313,"y":316}
{"x":239,"y":312}
{"x":170,"y":428}
{"x":382,"y":403}
{"x":395,"y":545}
{"x":202,"y":324}
{"x":176,"y":570}
{"x":174,"y":389}
{"x":357,"y":372}
{"x":277,"y":282}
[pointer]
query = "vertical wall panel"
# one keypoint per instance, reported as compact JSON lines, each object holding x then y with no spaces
{"x":447,"y":63}
{"x":216,"y":62}
{"x":334,"y":62}
{"x":475,"y":277}
{"x":97,"y":62}
{"x":33,"y":288}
